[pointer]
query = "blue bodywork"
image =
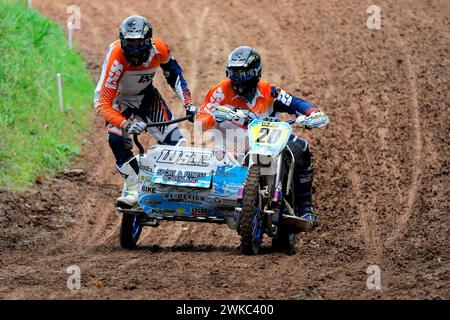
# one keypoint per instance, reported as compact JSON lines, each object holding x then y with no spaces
{"x":212,"y":194}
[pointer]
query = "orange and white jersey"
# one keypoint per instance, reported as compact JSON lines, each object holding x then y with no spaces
{"x":121,"y":84}
{"x":269,"y":101}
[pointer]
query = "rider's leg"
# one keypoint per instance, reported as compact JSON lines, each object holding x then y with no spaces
{"x":127,"y":166}
{"x":303,"y":178}
{"x":154,"y":109}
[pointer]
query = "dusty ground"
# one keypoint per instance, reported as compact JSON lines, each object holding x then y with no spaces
{"x":382,"y":187}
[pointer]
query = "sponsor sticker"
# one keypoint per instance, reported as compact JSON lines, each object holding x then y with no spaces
{"x":181,"y":176}
{"x":168,"y":211}
{"x":114,"y":75}
{"x":150,"y":201}
{"x":199,"y":212}
{"x":184,"y":197}
{"x":147,"y":189}
{"x":185,"y":158}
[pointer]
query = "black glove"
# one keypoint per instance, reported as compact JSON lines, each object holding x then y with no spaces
{"x":191,"y":109}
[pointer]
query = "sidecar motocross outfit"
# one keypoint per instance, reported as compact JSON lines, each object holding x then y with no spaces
{"x":269,"y":101}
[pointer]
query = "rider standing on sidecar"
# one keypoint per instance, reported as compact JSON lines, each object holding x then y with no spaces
{"x":244,"y":89}
{"x":125,"y":93}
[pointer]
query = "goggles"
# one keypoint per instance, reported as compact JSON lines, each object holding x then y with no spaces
{"x":140,"y":45}
{"x":241,"y":75}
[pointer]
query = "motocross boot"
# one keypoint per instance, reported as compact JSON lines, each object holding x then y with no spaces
{"x":130,"y":171}
{"x":303,"y":195}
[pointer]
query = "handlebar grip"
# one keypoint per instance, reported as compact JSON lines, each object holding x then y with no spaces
{"x":158,"y":124}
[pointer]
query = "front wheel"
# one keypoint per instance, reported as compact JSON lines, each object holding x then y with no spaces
{"x":251,"y":226}
{"x":130,"y":231}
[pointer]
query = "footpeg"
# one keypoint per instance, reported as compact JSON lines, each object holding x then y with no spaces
{"x":150,"y":223}
{"x":296,"y":225}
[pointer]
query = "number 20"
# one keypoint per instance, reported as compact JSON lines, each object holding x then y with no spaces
{"x":269,"y":136}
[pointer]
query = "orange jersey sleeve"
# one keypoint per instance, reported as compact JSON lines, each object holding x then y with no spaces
{"x":163,"y":48}
{"x":213,"y":99}
{"x":105,"y":93}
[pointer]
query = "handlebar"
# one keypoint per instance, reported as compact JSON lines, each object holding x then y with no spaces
{"x":158,"y":124}
{"x":189,"y":117}
{"x":291,"y":121}
{"x":168,"y":123}
{"x":235,"y":115}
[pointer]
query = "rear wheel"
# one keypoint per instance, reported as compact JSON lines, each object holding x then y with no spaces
{"x":284,"y":240}
{"x":130,"y":231}
{"x":251,"y":226}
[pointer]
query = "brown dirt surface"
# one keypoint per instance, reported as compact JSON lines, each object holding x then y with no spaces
{"x":382,"y":182}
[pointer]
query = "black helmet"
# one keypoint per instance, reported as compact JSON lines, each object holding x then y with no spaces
{"x":135,"y":35}
{"x":244,"y":69}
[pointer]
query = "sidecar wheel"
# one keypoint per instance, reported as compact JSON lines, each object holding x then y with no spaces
{"x":130,"y":231}
{"x":251,"y":229}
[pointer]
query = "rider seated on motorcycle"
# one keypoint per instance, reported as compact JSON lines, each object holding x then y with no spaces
{"x":244,"y":89}
{"x":126,"y":98}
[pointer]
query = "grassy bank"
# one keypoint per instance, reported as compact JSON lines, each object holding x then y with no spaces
{"x":37,"y":139}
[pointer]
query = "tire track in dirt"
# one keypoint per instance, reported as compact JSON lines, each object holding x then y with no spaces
{"x":354,"y":127}
{"x":194,"y":39}
{"x":368,"y":215}
{"x":362,"y":159}
{"x":92,"y":224}
{"x":418,"y":145}
{"x":368,"y":219}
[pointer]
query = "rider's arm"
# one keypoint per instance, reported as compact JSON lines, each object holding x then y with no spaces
{"x":204,"y":117}
{"x":287,"y":103}
{"x":174,"y":74}
{"x":108,"y":86}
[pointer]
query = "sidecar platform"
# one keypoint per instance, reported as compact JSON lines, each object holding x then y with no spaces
{"x":154,"y":221}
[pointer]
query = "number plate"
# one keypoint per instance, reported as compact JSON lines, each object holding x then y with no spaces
{"x":272,"y":136}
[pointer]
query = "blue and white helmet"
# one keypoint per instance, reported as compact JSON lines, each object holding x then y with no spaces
{"x":244,"y":69}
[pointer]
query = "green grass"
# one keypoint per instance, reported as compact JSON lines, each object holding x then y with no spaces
{"x":37,"y":139}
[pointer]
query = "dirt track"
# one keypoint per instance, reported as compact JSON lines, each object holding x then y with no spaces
{"x":382,"y":187}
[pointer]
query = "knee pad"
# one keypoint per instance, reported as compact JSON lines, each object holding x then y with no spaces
{"x":302,"y":155}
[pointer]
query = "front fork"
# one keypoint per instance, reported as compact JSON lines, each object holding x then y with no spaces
{"x":274,"y":200}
